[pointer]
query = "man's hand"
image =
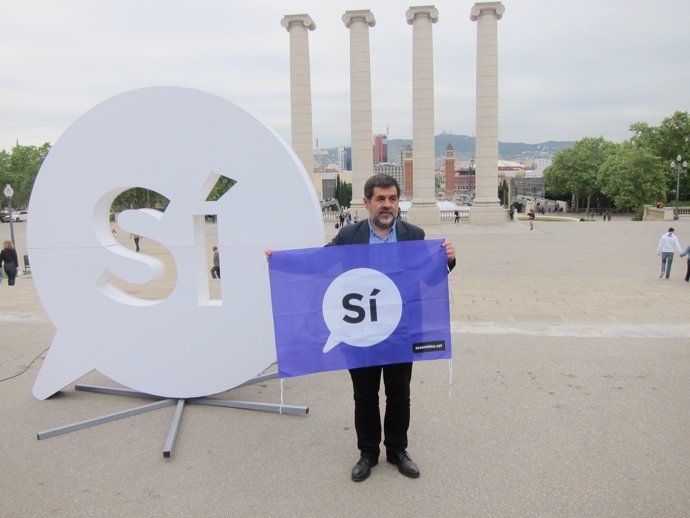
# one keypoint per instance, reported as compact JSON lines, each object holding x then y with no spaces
{"x":450,"y":250}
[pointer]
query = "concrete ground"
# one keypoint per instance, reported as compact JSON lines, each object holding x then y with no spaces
{"x":568,"y":396}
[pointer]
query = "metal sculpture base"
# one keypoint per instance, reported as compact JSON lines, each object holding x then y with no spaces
{"x":162,"y":402}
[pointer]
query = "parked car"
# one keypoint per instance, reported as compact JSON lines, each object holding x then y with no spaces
{"x":22,"y":215}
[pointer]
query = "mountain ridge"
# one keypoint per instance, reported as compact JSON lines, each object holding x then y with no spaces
{"x":464,"y":147}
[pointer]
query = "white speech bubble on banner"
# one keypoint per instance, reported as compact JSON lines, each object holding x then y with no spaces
{"x":178,"y":142}
{"x":361,"y":307}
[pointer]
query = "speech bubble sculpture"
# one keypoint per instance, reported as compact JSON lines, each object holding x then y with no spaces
{"x":178,"y":142}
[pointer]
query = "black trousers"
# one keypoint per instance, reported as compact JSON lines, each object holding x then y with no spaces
{"x":687,"y":274}
{"x":365,"y":383}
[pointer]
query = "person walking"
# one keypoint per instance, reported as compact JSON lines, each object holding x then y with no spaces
{"x":9,"y":261}
{"x":683,"y":254}
{"x":381,"y":200}
{"x":668,"y":245}
{"x":135,"y":238}
{"x":530,"y":217}
{"x":215,"y":271}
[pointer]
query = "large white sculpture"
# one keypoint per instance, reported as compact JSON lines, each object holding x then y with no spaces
{"x":177,"y":142}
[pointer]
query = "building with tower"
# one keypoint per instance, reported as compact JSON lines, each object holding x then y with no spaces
{"x":380,"y":149}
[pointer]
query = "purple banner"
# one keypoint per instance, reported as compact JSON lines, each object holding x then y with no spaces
{"x":343,"y":307}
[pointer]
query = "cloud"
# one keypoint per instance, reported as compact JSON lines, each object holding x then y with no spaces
{"x":566,"y":69}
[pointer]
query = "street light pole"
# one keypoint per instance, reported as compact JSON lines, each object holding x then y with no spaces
{"x":9,"y":192}
{"x":679,"y":168}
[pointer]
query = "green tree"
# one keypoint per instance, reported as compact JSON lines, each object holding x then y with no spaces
{"x":674,"y":137}
{"x":138,"y":198}
{"x":667,"y":141}
{"x":632,"y":177}
{"x":223,"y":185}
{"x":576,"y":170}
{"x":343,"y":192}
{"x":645,"y":136}
{"x":19,"y":168}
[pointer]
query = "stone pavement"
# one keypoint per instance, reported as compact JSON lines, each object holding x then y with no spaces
{"x":568,"y":396}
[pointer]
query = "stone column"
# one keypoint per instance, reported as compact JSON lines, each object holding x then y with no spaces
{"x":360,"y":101}
{"x":424,"y":210}
{"x":299,"y":25}
{"x":486,"y":208}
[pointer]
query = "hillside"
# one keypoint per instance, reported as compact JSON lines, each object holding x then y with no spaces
{"x":464,"y":147}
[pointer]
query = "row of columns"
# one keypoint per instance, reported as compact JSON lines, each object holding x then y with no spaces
{"x":486,"y":208}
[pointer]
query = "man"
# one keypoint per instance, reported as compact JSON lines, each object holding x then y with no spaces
{"x":135,"y":238}
{"x":530,"y":217}
{"x":215,"y":271}
{"x":381,"y":197}
{"x":668,"y":245}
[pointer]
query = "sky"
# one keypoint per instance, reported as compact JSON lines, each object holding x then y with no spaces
{"x":568,"y":69}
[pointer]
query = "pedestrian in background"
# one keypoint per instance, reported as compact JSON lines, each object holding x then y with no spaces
{"x":668,"y":245}
{"x":215,"y":271}
{"x":135,"y":238}
{"x":9,"y":261}
{"x":683,"y":254}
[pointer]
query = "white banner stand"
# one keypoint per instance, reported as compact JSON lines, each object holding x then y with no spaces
{"x":178,"y":142}
{"x":166,"y":402}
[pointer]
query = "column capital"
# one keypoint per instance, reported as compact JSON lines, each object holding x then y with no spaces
{"x":419,"y":10}
{"x":363,"y":14}
{"x":303,"y":19}
{"x":482,"y":7}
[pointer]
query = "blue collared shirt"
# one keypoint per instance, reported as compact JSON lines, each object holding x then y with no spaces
{"x":391,"y":237}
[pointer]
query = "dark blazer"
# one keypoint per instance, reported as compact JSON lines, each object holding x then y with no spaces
{"x":358,"y":234}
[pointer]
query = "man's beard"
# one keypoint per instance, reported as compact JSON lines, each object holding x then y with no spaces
{"x":383,"y":224}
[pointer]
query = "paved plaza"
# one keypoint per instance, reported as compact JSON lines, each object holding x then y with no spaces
{"x":568,"y":396}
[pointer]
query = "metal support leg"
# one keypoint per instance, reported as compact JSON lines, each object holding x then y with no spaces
{"x":115,"y":391}
{"x":174,"y":426}
{"x":105,"y":419}
{"x":166,"y":402}
{"x":250,"y":405}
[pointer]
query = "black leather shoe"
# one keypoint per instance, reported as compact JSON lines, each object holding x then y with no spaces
{"x":404,"y":463}
{"x":362,"y":469}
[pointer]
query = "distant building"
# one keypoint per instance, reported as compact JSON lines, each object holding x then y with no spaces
{"x":395,"y":170}
{"x":328,"y":185}
{"x":465,"y":179}
{"x":449,"y":171}
{"x":345,"y":158}
{"x":320,"y":160}
{"x":380,"y":149}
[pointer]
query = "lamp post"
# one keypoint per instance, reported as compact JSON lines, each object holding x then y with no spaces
{"x":9,"y":192}
{"x":679,"y":167}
